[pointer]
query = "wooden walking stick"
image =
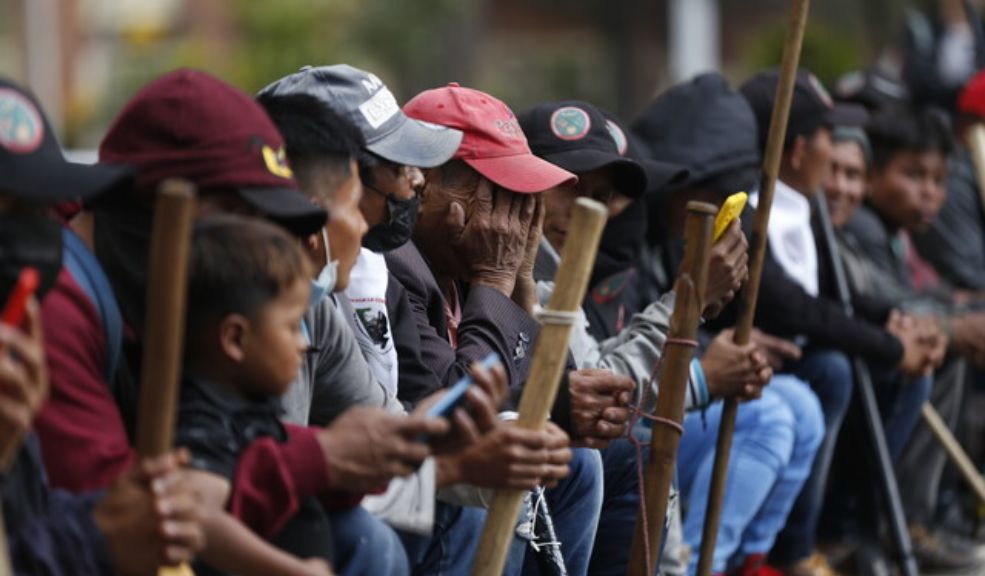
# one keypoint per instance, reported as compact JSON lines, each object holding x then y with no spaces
{"x":674,"y":372}
{"x":164,"y":333}
{"x":550,"y":353}
{"x":771,"y":168}
{"x":954,"y":450}
{"x":976,"y":141}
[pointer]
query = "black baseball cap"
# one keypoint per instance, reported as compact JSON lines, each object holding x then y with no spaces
{"x":361,"y":98}
{"x":31,"y":159}
{"x":575,"y":136}
{"x":812,"y":107}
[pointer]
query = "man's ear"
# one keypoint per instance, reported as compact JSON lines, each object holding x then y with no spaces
{"x":798,"y":152}
{"x":234,"y":332}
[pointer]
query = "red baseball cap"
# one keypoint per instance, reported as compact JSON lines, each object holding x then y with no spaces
{"x":187,"y":124}
{"x":972,"y":98}
{"x":493,"y":143}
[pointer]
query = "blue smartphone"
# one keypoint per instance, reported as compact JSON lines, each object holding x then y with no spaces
{"x":444,"y":407}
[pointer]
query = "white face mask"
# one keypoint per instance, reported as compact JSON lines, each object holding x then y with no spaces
{"x":324,"y":284}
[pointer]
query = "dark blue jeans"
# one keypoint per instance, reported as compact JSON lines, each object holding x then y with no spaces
{"x":574,"y":505}
{"x":620,"y":507}
{"x":365,"y":545}
{"x":830,"y":375}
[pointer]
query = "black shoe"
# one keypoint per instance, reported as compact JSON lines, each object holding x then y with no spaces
{"x":936,"y":555}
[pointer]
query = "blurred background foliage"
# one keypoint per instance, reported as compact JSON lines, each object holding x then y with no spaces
{"x":611,"y":52}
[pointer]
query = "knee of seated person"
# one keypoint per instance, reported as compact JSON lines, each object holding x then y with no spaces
{"x":806,"y":409}
{"x":770,"y":427}
{"x":833,"y":377}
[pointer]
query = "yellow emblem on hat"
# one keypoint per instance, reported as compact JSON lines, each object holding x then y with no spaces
{"x":276,"y":162}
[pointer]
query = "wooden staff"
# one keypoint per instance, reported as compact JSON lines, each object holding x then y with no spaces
{"x":771,"y":169}
{"x":976,"y":141}
{"x":674,"y":372}
{"x":164,"y":334}
{"x":550,"y":354}
{"x":954,"y":450}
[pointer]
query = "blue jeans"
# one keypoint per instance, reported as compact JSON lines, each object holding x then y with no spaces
{"x":808,"y":435}
{"x":575,"y":505}
{"x":900,"y":402}
{"x":830,"y":376}
{"x":620,"y":508}
{"x":763,"y":447}
{"x":365,"y":546}
{"x":452,"y":544}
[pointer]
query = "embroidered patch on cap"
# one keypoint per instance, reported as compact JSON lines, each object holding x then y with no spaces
{"x":570,"y":123}
{"x":21,"y":128}
{"x":276,"y":162}
{"x":617,"y":136}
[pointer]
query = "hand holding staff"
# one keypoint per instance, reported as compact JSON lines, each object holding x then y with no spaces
{"x":165,"y":331}
{"x":577,"y":259}
{"x":674,"y":372}
{"x":771,"y":168}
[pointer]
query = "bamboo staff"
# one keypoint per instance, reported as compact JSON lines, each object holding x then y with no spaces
{"x":674,"y":371}
{"x":771,"y":168}
{"x":550,"y":354}
{"x":167,"y":285}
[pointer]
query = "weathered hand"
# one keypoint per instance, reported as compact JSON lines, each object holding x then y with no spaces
{"x":525,"y":291}
{"x":482,"y":401}
{"x":776,"y":350}
{"x":728,"y":269}
{"x":150,"y":517}
{"x":599,"y":406}
{"x":734,"y":371}
{"x":366,"y":447}
{"x":514,"y":458}
{"x":23,"y":379}
{"x":493,"y":236}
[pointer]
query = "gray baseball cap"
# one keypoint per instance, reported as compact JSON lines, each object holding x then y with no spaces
{"x":363,"y":99}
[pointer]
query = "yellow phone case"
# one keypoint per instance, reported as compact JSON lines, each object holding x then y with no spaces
{"x":730,"y":210}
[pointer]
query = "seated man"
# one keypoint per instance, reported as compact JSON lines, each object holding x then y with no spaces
{"x":780,"y":432}
{"x":901,"y":194}
{"x":468,"y":280}
{"x":120,"y":530}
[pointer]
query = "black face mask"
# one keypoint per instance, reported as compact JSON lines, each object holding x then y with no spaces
{"x":122,"y":241}
{"x":391,"y":235}
{"x":29,"y":240}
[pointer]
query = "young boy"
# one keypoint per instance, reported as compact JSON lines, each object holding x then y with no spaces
{"x":249,"y":286}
